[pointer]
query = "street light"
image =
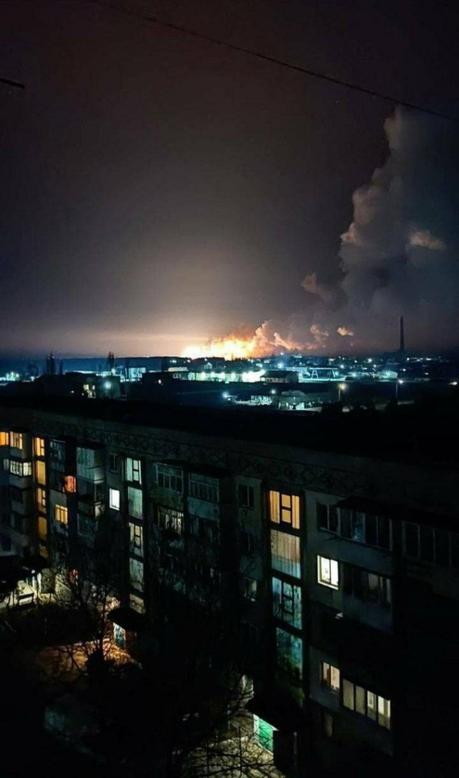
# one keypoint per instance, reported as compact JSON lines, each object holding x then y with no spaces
{"x":341,"y":388}
{"x":398,"y":383}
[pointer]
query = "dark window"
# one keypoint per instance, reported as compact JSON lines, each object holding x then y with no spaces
{"x":441,"y":547}
{"x":383,"y":532}
{"x":113,"y":463}
{"x":333,"y":518}
{"x":455,"y":549}
{"x":322,"y":516}
{"x":372,"y":530}
{"x":427,"y":547}
{"x":358,"y":527}
{"x":246,"y":496}
{"x":411,"y":539}
{"x":247,"y":543}
{"x":346,"y":523}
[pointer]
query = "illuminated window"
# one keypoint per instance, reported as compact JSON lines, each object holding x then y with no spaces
{"x":17,"y":440}
{"x":135,"y":502}
{"x":286,"y":602}
{"x":330,"y":676}
{"x":4,"y":439}
{"x":284,"y":509}
{"x":39,"y":447}
{"x":264,"y":733}
{"x":136,"y":574}
{"x":114,"y":499}
{"x":41,"y":499}
{"x":327,"y":572}
{"x":70,"y":484}
{"x":61,"y":514}
{"x":42,"y":528}
{"x":285,"y":553}
{"x":20,"y":468}
{"x":136,"y":539}
{"x":367,"y":703}
{"x":40,"y":472}
{"x":133,"y":470}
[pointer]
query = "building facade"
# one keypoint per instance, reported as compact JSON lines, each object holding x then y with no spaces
{"x":341,"y":571}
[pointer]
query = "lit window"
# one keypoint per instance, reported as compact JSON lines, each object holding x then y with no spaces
{"x":70,"y":484}
{"x":133,"y":470}
{"x":367,"y":703}
{"x":327,"y":572}
{"x":330,"y":676}
{"x":20,"y":468}
{"x":4,"y":439}
{"x":285,"y":553}
{"x":42,"y":528}
{"x":17,"y":440}
{"x":136,"y":574}
{"x":40,"y":472}
{"x":264,"y":733}
{"x":286,"y":602}
{"x":61,"y":514}
{"x":284,"y":509}
{"x":136,"y":539}
{"x":135,"y":502}
{"x":114,"y":499}
{"x":39,"y":447}
{"x":41,"y":499}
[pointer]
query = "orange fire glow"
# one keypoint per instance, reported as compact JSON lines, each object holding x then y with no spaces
{"x":244,"y":344}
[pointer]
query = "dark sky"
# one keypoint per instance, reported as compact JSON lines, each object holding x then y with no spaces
{"x":159,"y":190}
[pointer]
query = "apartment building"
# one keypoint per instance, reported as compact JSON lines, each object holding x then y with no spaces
{"x":341,"y":570}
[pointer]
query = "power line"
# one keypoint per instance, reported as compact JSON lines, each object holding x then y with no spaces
{"x":9,"y":82}
{"x":273,"y":60}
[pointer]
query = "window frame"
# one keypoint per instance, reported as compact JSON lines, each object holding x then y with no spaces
{"x":370,"y":711}
{"x":328,"y":580}
{"x":114,"y":503}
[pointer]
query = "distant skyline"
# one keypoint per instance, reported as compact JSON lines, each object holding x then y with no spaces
{"x":159,"y":192}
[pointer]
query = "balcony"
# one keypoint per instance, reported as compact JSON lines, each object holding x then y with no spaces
{"x":88,"y":506}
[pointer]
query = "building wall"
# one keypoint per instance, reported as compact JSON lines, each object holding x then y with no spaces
{"x":262,"y":530}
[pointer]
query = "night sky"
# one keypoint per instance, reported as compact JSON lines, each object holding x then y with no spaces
{"x":159,"y":190}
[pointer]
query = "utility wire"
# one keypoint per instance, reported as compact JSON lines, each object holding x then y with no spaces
{"x":273,"y":60}
{"x":9,"y":82}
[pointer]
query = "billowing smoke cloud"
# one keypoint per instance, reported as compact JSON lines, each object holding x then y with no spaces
{"x":400,"y":254}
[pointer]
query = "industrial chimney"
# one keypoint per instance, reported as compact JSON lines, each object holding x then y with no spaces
{"x":402,"y":338}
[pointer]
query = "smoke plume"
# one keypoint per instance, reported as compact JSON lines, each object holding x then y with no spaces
{"x":400,"y":254}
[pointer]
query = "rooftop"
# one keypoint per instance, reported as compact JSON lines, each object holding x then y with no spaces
{"x":422,"y":433}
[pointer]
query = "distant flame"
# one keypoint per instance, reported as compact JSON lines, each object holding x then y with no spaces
{"x":263,"y":342}
{"x":344,"y":332}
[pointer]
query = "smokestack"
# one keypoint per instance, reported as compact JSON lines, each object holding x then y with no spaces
{"x":402,"y":337}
